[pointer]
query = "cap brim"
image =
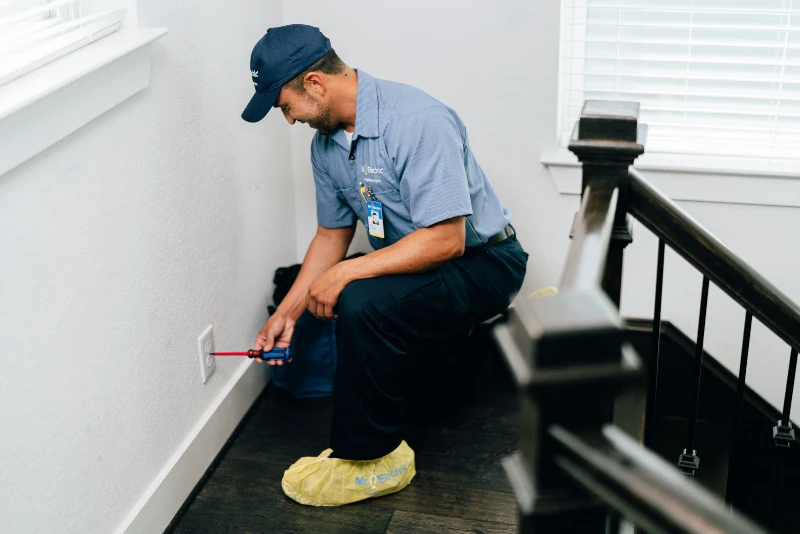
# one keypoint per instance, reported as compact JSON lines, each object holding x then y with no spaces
{"x":259,"y":105}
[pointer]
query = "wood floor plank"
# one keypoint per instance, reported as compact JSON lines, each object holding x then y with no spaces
{"x":451,"y":470}
{"x":238,"y":501}
{"x":453,"y":501}
{"x":465,"y":443}
{"x":415,"y":523}
{"x":238,"y":520}
{"x":495,"y":414}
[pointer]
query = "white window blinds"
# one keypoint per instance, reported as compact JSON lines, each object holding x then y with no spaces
{"x":713,"y":76}
{"x":35,"y":32}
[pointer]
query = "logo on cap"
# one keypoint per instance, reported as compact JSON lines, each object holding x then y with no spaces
{"x":282,"y":53}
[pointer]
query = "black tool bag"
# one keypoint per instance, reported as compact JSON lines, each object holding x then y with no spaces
{"x":313,"y":347}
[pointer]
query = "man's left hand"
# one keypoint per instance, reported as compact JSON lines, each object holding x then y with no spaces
{"x":323,"y":293}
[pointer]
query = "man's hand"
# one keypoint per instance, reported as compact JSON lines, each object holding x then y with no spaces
{"x":277,"y":332}
{"x":323,"y":293}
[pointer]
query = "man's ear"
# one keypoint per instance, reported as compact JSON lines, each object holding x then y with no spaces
{"x":314,"y":84}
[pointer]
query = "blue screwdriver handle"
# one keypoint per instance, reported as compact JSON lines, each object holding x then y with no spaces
{"x":275,"y":354}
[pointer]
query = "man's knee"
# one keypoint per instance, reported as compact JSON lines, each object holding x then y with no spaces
{"x":362,"y":300}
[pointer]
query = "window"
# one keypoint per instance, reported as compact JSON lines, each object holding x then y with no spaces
{"x":719,"y":77}
{"x":36,"y":32}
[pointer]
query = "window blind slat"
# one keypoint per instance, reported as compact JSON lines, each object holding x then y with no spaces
{"x":50,"y":6}
{"x":780,"y":27}
{"x":54,"y":49}
{"x":745,"y":61}
{"x":709,"y":74}
{"x":650,"y":41}
{"x":64,"y":26}
{"x":21,"y":31}
{"x":726,"y":112}
{"x":690,"y":6}
{"x":34,"y":36}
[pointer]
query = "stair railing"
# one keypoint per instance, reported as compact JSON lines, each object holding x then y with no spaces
{"x":575,"y":471}
{"x":759,"y":298}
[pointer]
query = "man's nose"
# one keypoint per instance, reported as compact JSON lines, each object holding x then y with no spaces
{"x":288,"y":117}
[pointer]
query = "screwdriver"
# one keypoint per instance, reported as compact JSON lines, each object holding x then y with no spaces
{"x":274,"y":354}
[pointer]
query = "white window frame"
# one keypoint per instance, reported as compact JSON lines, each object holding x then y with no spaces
{"x":706,"y":178}
{"x":45,"y":105}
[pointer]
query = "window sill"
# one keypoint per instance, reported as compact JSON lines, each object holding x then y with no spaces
{"x":44,"y":106}
{"x":725,"y":180}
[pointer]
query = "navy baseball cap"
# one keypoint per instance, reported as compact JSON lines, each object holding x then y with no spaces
{"x":279,"y":56}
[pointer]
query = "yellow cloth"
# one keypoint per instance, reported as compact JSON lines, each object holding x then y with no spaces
{"x":324,"y":481}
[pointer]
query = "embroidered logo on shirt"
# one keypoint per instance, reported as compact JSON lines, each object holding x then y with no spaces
{"x":367,"y":170}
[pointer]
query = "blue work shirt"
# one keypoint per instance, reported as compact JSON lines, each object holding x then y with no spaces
{"x":412,"y":150}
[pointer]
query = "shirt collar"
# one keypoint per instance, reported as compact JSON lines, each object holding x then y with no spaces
{"x":366,"y":106}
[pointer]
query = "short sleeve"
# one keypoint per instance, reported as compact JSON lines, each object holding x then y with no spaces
{"x":429,"y":159}
{"x":332,"y":210}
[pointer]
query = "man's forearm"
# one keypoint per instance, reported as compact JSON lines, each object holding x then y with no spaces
{"x":324,"y":252}
{"x":419,"y":251}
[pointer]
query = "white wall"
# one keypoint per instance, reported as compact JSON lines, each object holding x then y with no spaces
{"x":118,"y":246}
{"x":496,"y":64}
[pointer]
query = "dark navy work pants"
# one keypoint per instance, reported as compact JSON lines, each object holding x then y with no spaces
{"x":379,"y":317}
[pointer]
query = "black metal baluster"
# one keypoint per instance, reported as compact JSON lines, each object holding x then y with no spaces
{"x":783,"y":432}
{"x":689,"y":462}
{"x":652,"y":401}
{"x":737,"y":417}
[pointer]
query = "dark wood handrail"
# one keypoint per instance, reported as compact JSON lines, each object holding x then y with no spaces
{"x":586,"y":261}
{"x":728,"y":271}
{"x":629,"y":478}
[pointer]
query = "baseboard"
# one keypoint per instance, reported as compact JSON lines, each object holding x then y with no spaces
{"x":176,"y":482}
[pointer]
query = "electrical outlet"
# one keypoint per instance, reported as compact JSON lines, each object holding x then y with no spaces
{"x":205,"y":345}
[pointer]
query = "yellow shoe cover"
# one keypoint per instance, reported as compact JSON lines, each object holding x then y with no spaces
{"x":324,"y":481}
{"x":544,"y":292}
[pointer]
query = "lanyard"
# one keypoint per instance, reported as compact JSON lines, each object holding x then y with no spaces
{"x":366,"y":191}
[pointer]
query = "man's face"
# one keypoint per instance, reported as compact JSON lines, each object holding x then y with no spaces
{"x":308,"y":109}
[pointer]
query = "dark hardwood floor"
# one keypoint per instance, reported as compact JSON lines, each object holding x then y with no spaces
{"x":459,"y":435}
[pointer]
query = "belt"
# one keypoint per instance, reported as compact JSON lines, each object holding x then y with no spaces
{"x":506,"y":232}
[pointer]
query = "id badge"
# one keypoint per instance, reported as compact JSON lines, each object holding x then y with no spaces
{"x":375,"y":218}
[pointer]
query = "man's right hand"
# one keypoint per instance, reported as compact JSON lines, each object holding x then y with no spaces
{"x":276,"y":332}
{"x":328,"y":248}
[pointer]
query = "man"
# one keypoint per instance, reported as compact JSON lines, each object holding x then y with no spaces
{"x":445,"y":256}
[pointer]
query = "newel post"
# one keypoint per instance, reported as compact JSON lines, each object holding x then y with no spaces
{"x":607,"y":139}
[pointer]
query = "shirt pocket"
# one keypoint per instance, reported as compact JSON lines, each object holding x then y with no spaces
{"x":394,"y":225}
{"x":375,"y":170}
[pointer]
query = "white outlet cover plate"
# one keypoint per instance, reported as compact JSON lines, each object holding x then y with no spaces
{"x":205,"y":344}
